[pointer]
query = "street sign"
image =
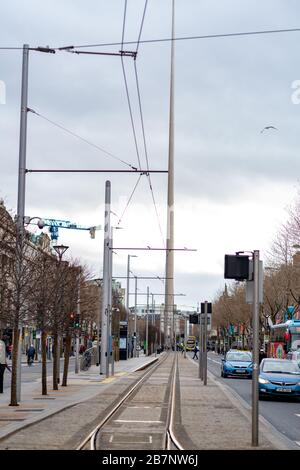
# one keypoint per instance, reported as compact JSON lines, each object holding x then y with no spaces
{"x":250,"y":287}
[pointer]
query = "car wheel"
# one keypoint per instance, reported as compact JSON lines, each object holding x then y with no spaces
{"x":261,"y":397}
{"x":224,"y":375}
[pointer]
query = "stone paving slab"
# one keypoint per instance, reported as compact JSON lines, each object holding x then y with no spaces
{"x":212,"y":418}
{"x":81,"y":387}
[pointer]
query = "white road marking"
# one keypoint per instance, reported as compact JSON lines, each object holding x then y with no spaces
{"x":296,"y":414}
{"x":213,"y":360}
{"x":111,"y":438}
{"x":150,"y":439}
{"x":135,"y":421}
{"x":298,"y":443}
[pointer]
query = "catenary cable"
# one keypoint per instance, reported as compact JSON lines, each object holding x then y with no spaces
{"x":188,"y":38}
{"x":127,"y":90}
{"x":81,"y":138}
{"x":130,"y":198}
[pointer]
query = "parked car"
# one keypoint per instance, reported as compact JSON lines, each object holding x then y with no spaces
{"x":237,"y":364}
{"x":279,"y":378}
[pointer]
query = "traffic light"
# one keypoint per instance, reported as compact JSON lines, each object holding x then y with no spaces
{"x":77,"y":321}
{"x":72,"y":319}
{"x":236,"y":267}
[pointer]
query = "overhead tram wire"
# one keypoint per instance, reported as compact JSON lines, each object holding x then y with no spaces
{"x":187,"y":38}
{"x":142,"y":123}
{"x":81,"y":138}
{"x":184,"y":38}
{"x":127,"y":90}
{"x":141,"y":27}
{"x":130,"y":198}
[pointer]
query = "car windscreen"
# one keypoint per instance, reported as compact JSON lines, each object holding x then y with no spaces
{"x":242,"y":357}
{"x":281,"y":367}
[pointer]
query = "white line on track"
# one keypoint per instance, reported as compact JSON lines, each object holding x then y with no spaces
{"x":296,"y":414}
{"x":135,"y":421}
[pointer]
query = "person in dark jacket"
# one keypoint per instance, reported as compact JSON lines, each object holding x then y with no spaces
{"x":30,"y":355}
{"x":2,"y":370}
{"x":195,"y":356}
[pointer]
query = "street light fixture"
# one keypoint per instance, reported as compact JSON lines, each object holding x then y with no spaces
{"x":60,"y":250}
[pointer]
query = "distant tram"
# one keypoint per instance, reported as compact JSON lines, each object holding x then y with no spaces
{"x":191,"y":343}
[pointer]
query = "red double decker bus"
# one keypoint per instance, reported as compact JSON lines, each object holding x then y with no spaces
{"x":284,"y":338}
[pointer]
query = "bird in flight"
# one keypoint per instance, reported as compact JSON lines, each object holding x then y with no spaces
{"x":267,"y":128}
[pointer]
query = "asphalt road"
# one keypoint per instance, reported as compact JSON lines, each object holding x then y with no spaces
{"x":34,"y":372}
{"x":282,"y":414}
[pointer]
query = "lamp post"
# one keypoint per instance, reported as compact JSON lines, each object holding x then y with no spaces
{"x":127,"y":301}
{"x":60,"y":250}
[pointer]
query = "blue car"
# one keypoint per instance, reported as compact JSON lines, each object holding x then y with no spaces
{"x":279,"y":378}
{"x":237,"y":364}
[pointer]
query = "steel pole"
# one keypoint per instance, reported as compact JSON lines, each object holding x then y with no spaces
{"x":147,"y":320}
{"x":109,"y":306}
{"x":77,"y":334}
{"x":105,"y":290}
{"x":135,"y":323}
{"x":200,"y":347}
{"x":21,"y":197}
{"x":184,"y":339}
{"x":255,"y":348}
{"x":169,"y":289}
{"x":205,"y":345}
{"x":127,"y":306}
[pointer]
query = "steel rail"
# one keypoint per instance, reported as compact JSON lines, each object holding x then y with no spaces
{"x":170,"y":434}
{"x":93,"y":434}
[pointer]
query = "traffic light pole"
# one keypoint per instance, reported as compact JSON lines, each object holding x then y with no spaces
{"x":205,"y":345}
{"x":77,"y":331}
{"x":105,"y":293}
{"x":255,"y":352}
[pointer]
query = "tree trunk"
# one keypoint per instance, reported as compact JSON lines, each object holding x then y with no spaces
{"x":14,"y":370}
{"x":55,"y":356}
{"x":67,"y":357}
{"x":44,"y":362}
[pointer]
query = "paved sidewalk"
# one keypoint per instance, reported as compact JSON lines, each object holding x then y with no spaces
{"x":82,"y":386}
{"x":212,"y":417}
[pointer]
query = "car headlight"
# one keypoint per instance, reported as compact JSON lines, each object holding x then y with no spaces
{"x":263,"y":381}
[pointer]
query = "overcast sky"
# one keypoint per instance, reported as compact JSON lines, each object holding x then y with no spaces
{"x":232,"y":182}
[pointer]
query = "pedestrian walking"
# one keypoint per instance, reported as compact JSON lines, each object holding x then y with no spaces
{"x":30,"y":355}
{"x":195,"y":356}
{"x":9,"y":351}
{"x":3,"y":364}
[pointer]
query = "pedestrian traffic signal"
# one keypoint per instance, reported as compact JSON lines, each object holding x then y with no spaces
{"x":236,"y":267}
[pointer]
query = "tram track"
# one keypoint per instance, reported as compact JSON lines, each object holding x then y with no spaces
{"x":144,"y":417}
